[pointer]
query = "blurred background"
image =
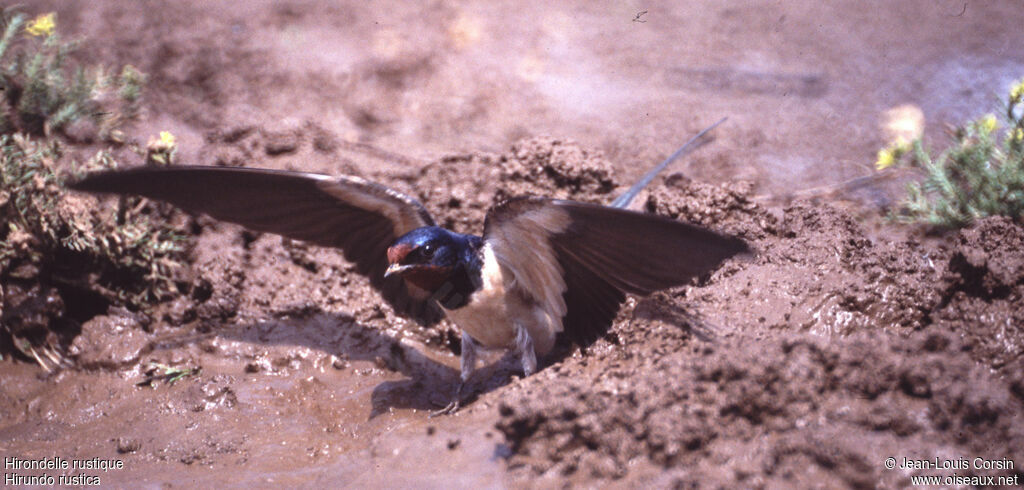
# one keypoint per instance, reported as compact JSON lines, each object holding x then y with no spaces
{"x":809,"y":87}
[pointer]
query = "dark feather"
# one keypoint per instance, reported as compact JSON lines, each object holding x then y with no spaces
{"x":641,"y":253}
{"x":604,"y":252}
{"x":360,"y":217}
{"x":591,"y":302}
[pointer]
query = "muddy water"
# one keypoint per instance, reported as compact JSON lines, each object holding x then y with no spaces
{"x":801,"y":367}
{"x":256,"y":414}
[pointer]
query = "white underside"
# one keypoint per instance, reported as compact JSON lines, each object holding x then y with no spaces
{"x":492,"y":313}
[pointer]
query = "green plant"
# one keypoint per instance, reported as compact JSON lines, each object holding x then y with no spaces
{"x":44,"y":94}
{"x":63,"y":259}
{"x":45,"y":225}
{"x":156,"y":371}
{"x":980,"y":174}
{"x":59,"y":252}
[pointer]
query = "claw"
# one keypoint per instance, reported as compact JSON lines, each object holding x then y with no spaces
{"x":448,"y":410}
{"x":39,"y":359}
{"x":454,"y":405}
{"x":53,"y":355}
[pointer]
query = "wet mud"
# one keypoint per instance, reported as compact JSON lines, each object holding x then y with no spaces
{"x":841,"y":342}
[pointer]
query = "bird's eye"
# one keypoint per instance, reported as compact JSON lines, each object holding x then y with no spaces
{"x":427,"y":251}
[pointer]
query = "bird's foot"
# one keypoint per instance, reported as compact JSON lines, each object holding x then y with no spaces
{"x":454,"y":405}
{"x":448,"y":410}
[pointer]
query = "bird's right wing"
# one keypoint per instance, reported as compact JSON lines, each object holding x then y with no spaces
{"x":360,"y":217}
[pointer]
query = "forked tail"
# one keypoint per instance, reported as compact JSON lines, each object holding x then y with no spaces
{"x":628,"y":196}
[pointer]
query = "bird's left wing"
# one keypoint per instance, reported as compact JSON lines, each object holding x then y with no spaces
{"x":358,"y":216}
{"x":577,"y":260}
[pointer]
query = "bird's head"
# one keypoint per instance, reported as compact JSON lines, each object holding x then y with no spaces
{"x":425,"y":257}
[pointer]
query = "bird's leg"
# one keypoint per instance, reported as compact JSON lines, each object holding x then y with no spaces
{"x":467,"y":363}
{"x":524,"y":347}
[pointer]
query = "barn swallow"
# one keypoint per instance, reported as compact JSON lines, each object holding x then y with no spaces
{"x":542,"y":268}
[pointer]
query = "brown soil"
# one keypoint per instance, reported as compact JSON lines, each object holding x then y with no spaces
{"x":839,"y":344}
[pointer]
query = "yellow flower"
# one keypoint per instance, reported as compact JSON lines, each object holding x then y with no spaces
{"x":904,"y":122}
{"x":886,"y":159}
{"x":891,"y":154}
{"x":1018,"y":135}
{"x":1017,"y":92}
{"x":988,"y":123}
{"x":43,"y":25}
{"x":160,"y":150}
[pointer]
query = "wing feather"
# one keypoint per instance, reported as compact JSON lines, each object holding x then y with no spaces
{"x":358,"y":216}
{"x":578,"y":260}
{"x":519,"y":232}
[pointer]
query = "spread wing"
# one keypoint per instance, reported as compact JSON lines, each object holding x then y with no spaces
{"x":360,"y":217}
{"x":578,"y":260}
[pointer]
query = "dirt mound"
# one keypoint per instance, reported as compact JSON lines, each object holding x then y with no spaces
{"x":826,"y":353}
{"x":461,"y":188}
{"x":728,"y":208}
{"x":805,"y":411}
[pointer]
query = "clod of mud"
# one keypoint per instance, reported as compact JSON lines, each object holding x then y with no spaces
{"x":127,"y":445}
{"x":983,"y":291}
{"x":986,"y":259}
{"x":556,"y":168}
{"x":214,"y":392}
{"x":281,"y":142}
{"x":110,"y":341}
{"x":460,"y":189}
{"x":729,"y":208}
